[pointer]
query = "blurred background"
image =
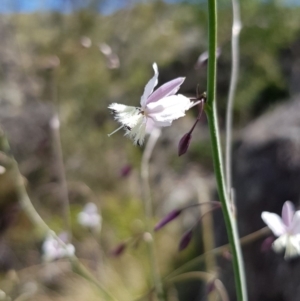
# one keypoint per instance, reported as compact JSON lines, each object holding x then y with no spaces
{"x":70,"y":59}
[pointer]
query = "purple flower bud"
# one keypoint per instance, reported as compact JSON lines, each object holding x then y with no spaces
{"x":267,"y":244}
{"x":125,"y":171}
{"x":227,"y":255}
{"x":184,"y":143}
{"x":185,"y":240}
{"x":210,"y":286}
{"x":118,"y":250}
{"x":168,"y":218}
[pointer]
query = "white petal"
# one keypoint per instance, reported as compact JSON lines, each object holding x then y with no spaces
{"x":126,"y":115}
{"x":150,"y":86}
{"x":274,"y":222}
{"x":280,"y":243}
{"x":168,"y":109}
{"x":90,"y":208}
{"x":89,"y":220}
{"x":119,"y":108}
{"x":138,"y":132}
{"x":292,"y":247}
{"x":69,"y":250}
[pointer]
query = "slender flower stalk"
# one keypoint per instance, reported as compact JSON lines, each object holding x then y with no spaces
{"x":187,"y":236}
{"x":235,"y":57}
{"x":176,"y":212}
{"x":207,"y":277}
{"x":61,"y":175}
{"x":211,"y":112}
{"x":44,"y":229}
{"x":155,"y":133}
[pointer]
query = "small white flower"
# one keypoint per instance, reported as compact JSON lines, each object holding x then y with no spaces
{"x":55,"y":248}
{"x":158,"y":108}
{"x":286,"y":228}
{"x":89,"y":217}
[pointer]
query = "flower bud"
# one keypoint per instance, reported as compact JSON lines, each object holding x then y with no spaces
{"x":227,"y":255}
{"x":168,"y":218}
{"x":210,"y":286}
{"x":184,"y":143}
{"x":185,"y":240}
{"x":118,"y":250}
{"x":266,"y":245}
{"x":125,"y":171}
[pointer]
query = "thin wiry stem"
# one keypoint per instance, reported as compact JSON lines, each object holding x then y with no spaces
{"x":59,"y":160}
{"x":207,"y":229}
{"x":235,"y":58}
{"x":60,"y":170}
{"x":193,"y":263}
{"x":204,"y":276}
{"x":148,"y":210}
{"x":211,"y":113}
{"x":217,"y":251}
{"x":36,"y":219}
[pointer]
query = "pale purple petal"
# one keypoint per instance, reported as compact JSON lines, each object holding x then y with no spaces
{"x":168,"y":109}
{"x":150,"y":86}
{"x":274,"y":222}
{"x":151,"y":125}
{"x":288,"y":211}
{"x":169,"y":88}
{"x":295,"y":224}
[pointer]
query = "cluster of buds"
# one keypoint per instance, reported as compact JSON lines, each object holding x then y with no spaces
{"x":90,"y":218}
{"x":187,"y":236}
{"x":133,"y":241}
{"x":56,"y":247}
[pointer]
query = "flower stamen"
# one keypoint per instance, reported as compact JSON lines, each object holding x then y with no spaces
{"x":116,"y":130}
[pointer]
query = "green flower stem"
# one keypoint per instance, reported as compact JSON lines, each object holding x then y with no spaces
{"x":148,"y":212}
{"x":44,"y":230}
{"x":206,"y":277}
{"x":211,"y":112}
{"x":193,"y":263}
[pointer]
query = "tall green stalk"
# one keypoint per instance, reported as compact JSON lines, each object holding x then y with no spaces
{"x":235,"y":57}
{"x":148,"y":212}
{"x":211,"y":112}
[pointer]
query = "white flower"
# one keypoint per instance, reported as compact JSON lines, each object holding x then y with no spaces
{"x":55,"y":248}
{"x":158,"y":108}
{"x":286,"y":228}
{"x":89,"y":217}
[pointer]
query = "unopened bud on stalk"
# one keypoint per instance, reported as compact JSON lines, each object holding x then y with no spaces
{"x":185,"y":240}
{"x":266,"y":245}
{"x":184,"y":144}
{"x":168,"y":218}
{"x":210,"y":286}
{"x":118,"y":250}
{"x":125,"y":171}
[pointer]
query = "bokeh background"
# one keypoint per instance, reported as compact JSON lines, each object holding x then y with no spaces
{"x":72,"y":59}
